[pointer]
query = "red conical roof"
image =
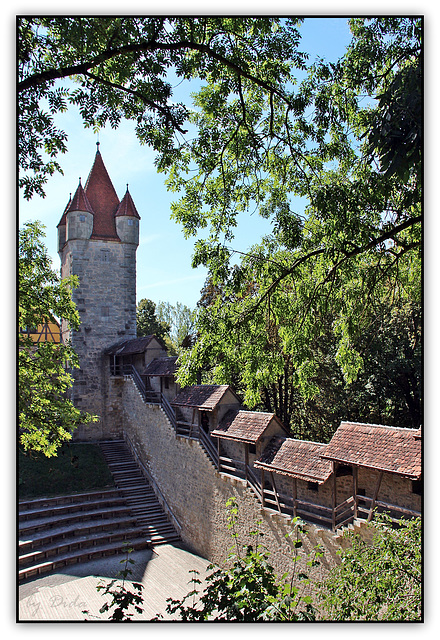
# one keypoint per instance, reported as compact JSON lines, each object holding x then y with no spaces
{"x":63,"y":220}
{"x":80,"y":202}
{"x":104,"y":200}
{"x":127,"y":207}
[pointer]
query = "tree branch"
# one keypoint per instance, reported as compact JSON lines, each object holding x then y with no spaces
{"x":373,"y":243}
{"x":144,"y":47}
{"x":166,"y":112}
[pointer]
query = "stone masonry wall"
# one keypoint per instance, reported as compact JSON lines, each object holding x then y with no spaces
{"x":197,"y":493}
{"x":102,"y":267}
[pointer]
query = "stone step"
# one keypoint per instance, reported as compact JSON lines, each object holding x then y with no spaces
{"x":40,"y":524}
{"x":41,"y":552}
{"x":72,"y":507}
{"x":82,"y":530}
{"x":36,"y":503}
{"x":138,"y":491}
{"x":81,"y":555}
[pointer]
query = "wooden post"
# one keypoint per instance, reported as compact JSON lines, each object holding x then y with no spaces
{"x":295,"y":498}
{"x":218,"y":454}
{"x":334,"y":496}
{"x":246,"y":460}
{"x":376,"y":491}
{"x":262,"y":487}
{"x":272,"y":479}
{"x":355,"y":491}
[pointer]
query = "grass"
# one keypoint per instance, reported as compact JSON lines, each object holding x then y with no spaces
{"x":77,"y":468}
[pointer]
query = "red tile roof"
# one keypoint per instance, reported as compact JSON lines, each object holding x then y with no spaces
{"x":245,"y":426}
{"x":161,"y":367}
{"x":391,"y":449}
{"x":296,"y":458}
{"x":99,"y":197}
{"x":130,"y":346}
{"x":127,"y":207}
{"x":80,"y":201}
{"x":202,"y":396}
{"x":104,"y":200}
{"x":63,"y":220}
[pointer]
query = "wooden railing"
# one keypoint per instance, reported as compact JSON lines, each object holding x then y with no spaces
{"x":344,"y":512}
{"x":270,"y":498}
{"x":232,"y":467}
{"x":169,"y":411}
{"x":395,"y":512}
{"x":209,"y":446}
{"x":130,"y":370}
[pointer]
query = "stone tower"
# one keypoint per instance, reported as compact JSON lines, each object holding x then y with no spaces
{"x":97,"y":240}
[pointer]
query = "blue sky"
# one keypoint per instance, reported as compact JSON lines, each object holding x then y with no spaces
{"x":164,"y":270}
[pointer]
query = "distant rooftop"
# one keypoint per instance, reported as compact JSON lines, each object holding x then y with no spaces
{"x":392,"y":449}
{"x":296,"y":458}
{"x":130,"y":346}
{"x":202,"y":396}
{"x":161,"y":367}
{"x":244,"y":426}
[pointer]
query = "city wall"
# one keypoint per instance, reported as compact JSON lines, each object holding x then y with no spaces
{"x":197,"y":494}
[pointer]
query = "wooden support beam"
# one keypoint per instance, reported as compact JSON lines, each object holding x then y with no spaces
{"x":218,"y":453}
{"x":295,"y":498}
{"x":376,"y":492}
{"x":246,"y":460}
{"x":333,"y":495}
{"x":355,"y":490}
{"x":272,"y":479}
{"x":262,"y":486}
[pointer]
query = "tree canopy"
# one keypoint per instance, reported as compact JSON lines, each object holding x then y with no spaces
{"x":147,"y":321}
{"x":349,"y":141}
{"x":266,"y":128}
{"x":121,"y":67}
{"x":47,"y":418}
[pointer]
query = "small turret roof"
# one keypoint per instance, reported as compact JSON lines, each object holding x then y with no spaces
{"x":104,"y":200}
{"x":127,"y":207}
{"x":63,"y":220}
{"x":80,"y":201}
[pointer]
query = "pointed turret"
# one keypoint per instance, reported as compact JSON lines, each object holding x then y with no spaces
{"x":127,"y":220}
{"x":61,"y":226}
{"x":104,"y":200}
{"x":79,"y":216}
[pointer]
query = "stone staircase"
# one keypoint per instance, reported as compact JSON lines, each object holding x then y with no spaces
{"x":138,"y":493}
{"x":56,"y":532}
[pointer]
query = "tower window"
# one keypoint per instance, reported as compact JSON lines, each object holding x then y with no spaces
{"x":82,"y":218}
{"x":105,"y":312}
{"x":130,"y":223}
{"x":105,"y":255}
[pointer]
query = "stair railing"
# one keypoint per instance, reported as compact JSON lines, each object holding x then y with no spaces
{"x":209,"y":446}
{"x":169,"y":411}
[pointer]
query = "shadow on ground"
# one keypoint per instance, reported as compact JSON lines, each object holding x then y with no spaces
{"x":165,"y":572}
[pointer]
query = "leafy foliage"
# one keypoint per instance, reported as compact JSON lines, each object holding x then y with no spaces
{"x":46,"y":416}
{"x":120,"y":67}
{"x":180,"y":318}
{"x":147,"y":321}
{"x":122,"y":598}
{"x":249,"y":590}
{"x":324,"y":274}
{"x":344,"y":138}
{"x":378,"y":581}
{"x":173,"y":324}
